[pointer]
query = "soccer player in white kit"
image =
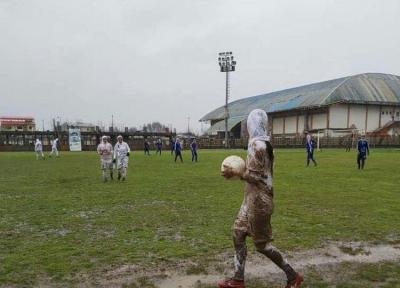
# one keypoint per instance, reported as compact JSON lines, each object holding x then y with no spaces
{"x":121,"y":154}
{"x":39,"y":149}
{"x":54,"y":149}
{"x":105,"y":150}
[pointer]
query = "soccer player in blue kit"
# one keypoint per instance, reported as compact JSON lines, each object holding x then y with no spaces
{"x":363,"y":150}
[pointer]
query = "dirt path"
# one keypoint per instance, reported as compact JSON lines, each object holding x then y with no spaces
{"x":257,"y":266}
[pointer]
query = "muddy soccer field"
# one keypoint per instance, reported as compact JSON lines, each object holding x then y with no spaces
{"x":169,"y":224}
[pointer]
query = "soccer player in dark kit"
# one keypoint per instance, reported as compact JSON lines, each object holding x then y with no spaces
{"x":146,"y":147}
{"x":310,"y":150}
{"x":178,"y":149}
{"x":254,"y":217}
{"x":193,"y":148}
{"x":159,"y":146}
{"x":363,"y":150}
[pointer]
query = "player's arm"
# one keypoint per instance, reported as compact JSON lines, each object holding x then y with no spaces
{"x":128,"y":149}
{"x":115,"y":151}
{"x":98,"y":150}
{"x":253,"y":177}
{"x":255,"y":173}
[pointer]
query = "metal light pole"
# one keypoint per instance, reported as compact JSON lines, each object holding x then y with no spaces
{"x":226,"y":64}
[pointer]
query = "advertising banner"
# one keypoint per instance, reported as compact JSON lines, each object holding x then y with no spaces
{"x":75,"y":139}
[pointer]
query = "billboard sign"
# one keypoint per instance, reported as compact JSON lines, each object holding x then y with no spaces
{"x":75,"y":139}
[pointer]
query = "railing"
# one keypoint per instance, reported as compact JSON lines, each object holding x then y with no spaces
{"x":24,"y":141}
{"x":299,"y":142}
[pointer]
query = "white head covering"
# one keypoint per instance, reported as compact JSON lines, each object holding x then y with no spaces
{"x":37,"y":140}
{"x":104,"y":138}
{"x":257,"y":127}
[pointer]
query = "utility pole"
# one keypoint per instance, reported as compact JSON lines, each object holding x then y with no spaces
{"x":226,"y":64}
{"x":188,"y":118}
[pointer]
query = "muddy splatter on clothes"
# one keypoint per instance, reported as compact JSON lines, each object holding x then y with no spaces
{"x":254,"y":217}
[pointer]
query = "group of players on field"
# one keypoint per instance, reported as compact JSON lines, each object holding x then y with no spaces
{"x":39,"y":149}
{"x":362,"y":148}
{"x":254,"y":217}
{"x":119,"y":155}
{"x":109,"y":156}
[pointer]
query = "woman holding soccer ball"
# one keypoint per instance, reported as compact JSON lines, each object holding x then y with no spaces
{"x":254,"y":217}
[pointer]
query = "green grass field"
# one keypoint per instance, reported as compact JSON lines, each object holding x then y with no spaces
{"x":58,"y":221}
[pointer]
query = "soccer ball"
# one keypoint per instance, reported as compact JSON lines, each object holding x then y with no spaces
{"x":236,"y":163}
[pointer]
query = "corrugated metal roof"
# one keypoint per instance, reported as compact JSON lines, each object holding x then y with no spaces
{"x":363,"y":88}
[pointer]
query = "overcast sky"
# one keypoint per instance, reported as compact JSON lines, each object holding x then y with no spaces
{"x":157,"y":60}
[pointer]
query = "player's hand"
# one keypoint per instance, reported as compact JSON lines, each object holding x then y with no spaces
{"x":244,"y":176}
{"x":228,"y":172}
{"x":127,"y":154}
{"x":114,"y":160}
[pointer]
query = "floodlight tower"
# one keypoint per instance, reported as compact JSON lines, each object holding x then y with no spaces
{"x":226,"y":64}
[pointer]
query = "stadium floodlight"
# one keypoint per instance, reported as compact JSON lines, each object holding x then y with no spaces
{"x":226,"y":64}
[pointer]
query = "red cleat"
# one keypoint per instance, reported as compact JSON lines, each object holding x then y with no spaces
{"x":231,"y":283}
{"x":296,"y":283}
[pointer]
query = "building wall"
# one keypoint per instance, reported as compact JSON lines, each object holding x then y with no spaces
{"x":389,"y":113}
{"x":301,"y":124}
{"x":357,"y":116}
{"x":319,"y":121}
{"x":290,"y":124}
{"x":18,"y":127}
{"x":362,"y":117}
{"x":338,"y":116}
{"x":277,"y":125}
{"x":315,"y":121}
{"x":341,"y":116}
{"x":366,"y":118}
{"x":373,"y":118}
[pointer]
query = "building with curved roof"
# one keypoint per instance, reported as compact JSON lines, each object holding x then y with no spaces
{"x":364,"y":102}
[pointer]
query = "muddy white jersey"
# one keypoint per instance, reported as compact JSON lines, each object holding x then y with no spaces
{"x":105,"y":151}
{"x":54,"y":144}
{"x":38,"y":146}
{"x":121,"y":150}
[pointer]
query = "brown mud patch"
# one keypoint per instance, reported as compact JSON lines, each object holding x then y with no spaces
{"x":183,"y":274}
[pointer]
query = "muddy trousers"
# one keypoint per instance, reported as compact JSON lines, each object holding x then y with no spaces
{"x":54,"y":151}
{"x":39,"y":155}
{"x":106,"y":167}
{"x":104,"y":174}
{"x":122,"y":165}
{"x":122,"y":172}
{"x":239,"y":241}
